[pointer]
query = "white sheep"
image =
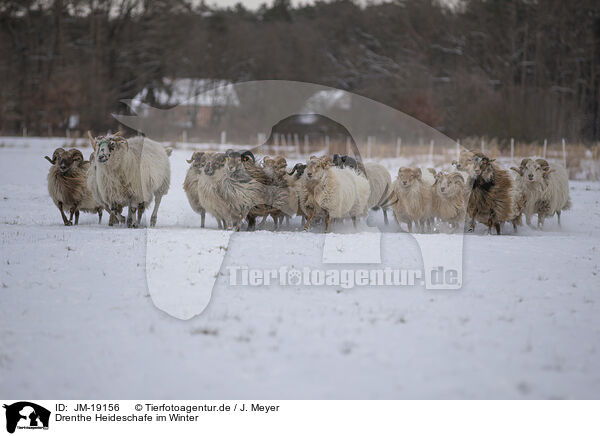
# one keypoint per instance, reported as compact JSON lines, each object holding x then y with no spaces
{"x":380,"y":183}
{"x":132,"y":172}
{"x":209,"y":189}
{"x":411,"y":198}
{"x":545,"y":188}
{"x":190,"y":184}
{"x":340,"y":193}
{"x":448,"y":199}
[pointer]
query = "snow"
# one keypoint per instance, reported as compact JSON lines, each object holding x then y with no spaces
{"x":79,"y":315}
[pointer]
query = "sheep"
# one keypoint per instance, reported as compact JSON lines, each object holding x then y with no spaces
{"x":295,"y":181}
{"x":339,"y":193}
{"x":448,"y":198}
{"x":411,"y":199}
{"x":209,"y":189}
{"x":190,"y":184}
{"x":132,"y":172}
{"x":348,"y":162}
{"x":380,"y":183}
{"x":243,"y":188}
{"x":67,"y":185}
{"x":280,"y":195}
{"x":544,"y":188}
{"x":92,"y":185}
{"x":310,"y":209}
{"x":491,"y":199}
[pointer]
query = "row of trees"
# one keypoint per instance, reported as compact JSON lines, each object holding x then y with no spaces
{"x":501,"y":68}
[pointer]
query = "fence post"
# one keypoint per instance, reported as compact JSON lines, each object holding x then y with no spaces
{"x":368,"y":147}
{"x":398,"y":146}
{"x":306,"y":145}
{"x":184,"y":136}
{"x":431,"y":151}
{"x":482,"y":146}
{"x":545,"y":146}
{"x":564,"y":147}
{"x":223,"y":137}
{"x":512,"y":149}
{"x":348,"y":146}
{"x":457,"y":150}
{"x":297,"y":144}
{"x":327,"y":145}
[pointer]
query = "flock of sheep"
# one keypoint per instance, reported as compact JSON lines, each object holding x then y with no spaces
{"x":234,"y":188}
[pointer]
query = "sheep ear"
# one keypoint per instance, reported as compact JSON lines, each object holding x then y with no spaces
{"x":418,"y":172}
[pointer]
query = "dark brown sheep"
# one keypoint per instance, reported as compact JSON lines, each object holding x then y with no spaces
{"x":67,"y":185}
{"x":490,"y":201}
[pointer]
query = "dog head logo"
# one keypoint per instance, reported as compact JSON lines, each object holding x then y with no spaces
{"x":26,"y":415}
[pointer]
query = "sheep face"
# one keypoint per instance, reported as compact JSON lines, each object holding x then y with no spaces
{"x":298,"y":169}
{"x":214,"y":163}
{"x":482,"y":167}
{"x":407,"y":177}
{"x":316,"y":166}
{"x":449,"y":185}
{"x":535,"y":171}
{"x":108,"y":146}
{"x":69,"y":160}
{"x":234,"y":163}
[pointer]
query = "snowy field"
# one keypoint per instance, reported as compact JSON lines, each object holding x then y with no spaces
{"x":77,"y":318}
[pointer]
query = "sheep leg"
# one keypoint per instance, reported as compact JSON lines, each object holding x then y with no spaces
{"x":203,"y":217}
{"x":71,"y":213}
{"x":100,"y":216}
{"x":540,"y":220}
{"x":154,"y":215}
{"x":251,"y":223}
{"x":385,"y":217}
{"x":140,"y":212}
{"x":303,"y":220}
{"x":409,"y":224}
{"x":76,"y":216}
{"x":327,"y":219}
{"x":220,"y":224}
{"x":307,"y":224}
{"x":472,"y":226}
{"x":354,"y":221}
{"x":62,"y":214}
{"x":558,"y":216}
{"x":287,"y":220}
{"x":497,"y":225}
{"x":130,"y":212}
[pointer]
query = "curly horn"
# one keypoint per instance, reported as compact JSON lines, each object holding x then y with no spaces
{"x":94,"y":146}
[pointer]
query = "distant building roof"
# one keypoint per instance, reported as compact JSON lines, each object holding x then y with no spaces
{"x":191,"y":92}
{"x":327,"y":100}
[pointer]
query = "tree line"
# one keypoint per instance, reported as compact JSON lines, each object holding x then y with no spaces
{"x":496,"y":68}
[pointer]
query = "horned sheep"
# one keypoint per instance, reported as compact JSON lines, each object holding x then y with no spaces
{"x":545,"y":188}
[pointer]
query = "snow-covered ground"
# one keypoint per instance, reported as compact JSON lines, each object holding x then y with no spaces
{"x":77,"y":318}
